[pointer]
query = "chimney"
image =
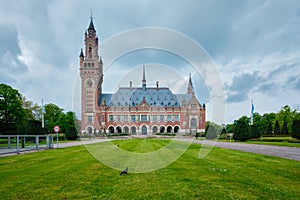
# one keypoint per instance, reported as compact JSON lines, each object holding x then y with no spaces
{"x":157,"y":85}
{"x":130,"y":85}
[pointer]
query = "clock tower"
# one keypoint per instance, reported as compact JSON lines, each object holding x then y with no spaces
{"x":91,"y":74}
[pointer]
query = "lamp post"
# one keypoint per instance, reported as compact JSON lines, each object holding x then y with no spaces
{"x":103,"y":127}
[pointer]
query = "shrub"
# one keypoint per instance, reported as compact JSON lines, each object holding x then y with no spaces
{"x":296,"y":129}
{"x":71,"y":133}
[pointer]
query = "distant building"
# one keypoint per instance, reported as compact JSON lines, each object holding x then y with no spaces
{"x":136,"y":110}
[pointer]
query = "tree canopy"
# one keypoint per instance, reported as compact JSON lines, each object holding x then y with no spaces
{"x":12,"y":113}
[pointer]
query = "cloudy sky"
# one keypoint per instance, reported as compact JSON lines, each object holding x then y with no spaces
{"x":254,"y":44}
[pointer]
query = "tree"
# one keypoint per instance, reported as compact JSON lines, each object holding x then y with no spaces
{"x":12,"y":114}
{"x":270,"y":129}
{"x":285,"y":130}
{"x":296,"y":129}
{"x":241,"y":130}
{"x":54,"y":116}
{"x":223,"y":132}
{"x":33,"y":111}
{"x":255,"y":131}
{"x":267,"y":119}
{"x":33,"y":127}
{"x":287,"y":114}
{"x":276,"y":128}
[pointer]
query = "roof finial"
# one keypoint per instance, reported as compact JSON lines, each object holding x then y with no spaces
{"x":91,"y":14}
{"x":144,"y":78}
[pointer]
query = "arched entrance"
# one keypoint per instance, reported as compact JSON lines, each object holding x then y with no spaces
{"x":118,"y":129}
{"x":162,"y":129}
{"x":111,"y":129}
{"x":144,"y":130}
{"x":169,"y":129}
{"x":176,"y":129}
{"x":90,"y":130}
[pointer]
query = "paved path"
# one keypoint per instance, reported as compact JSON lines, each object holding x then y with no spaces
{"x":292,"y":153}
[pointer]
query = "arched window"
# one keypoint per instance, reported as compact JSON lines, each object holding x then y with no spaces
{"x":133,"y":129}
{"x":126,"y":129}
{"x":90,"y":130}
{"x":154,"y":129}
{"x":193,"y":122}
{"x":144,"y":130}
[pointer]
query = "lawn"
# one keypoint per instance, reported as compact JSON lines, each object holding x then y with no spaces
{"x":73,"y":173}
{"x":277,"y":141}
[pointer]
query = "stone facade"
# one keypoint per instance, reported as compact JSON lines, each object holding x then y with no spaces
{"x":136,"y":110}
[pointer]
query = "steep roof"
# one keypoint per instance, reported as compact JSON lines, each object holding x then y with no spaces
{"x":153,"y":96}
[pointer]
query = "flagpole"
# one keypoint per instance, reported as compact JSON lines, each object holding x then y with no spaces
{"x":43,"y":123}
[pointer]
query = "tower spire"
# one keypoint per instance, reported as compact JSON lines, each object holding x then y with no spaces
{"x":144,"y":78}
{"x":91,"y":26}
{"x":190,"y":88}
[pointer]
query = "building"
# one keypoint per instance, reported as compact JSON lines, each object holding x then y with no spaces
{"x":136,"y":110}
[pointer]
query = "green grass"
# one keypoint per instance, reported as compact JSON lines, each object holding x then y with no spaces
{"x":73,"y":173}
{"x":277,"y":141}
{"x":141,"y":145}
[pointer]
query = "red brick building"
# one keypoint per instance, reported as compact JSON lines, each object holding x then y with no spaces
{"x":136,"y":110}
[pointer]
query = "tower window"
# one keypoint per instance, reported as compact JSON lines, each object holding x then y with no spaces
{"x":90,"y":52}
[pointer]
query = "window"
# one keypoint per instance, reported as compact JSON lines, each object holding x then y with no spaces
{"x":144,"y":118}
{"x":176,"y":118}
{"x":133,"y":118}
{"x":162,"y":118}
{"x":169,"y":118}
{"x":154,"y":118}
{"x":90,"y":118}
{"x":193,"y":122}
{"x":111,"y":118}
{"x":125,"y":118}
{"x":118,"y":118}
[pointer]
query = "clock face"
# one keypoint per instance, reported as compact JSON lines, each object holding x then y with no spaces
{"x":90,"y":83}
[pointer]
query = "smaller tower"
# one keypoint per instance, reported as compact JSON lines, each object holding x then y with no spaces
{"x":190,"y":89}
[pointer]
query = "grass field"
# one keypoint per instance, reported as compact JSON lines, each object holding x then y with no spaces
{"x":277,"y":141}
{"x":73,"y":173}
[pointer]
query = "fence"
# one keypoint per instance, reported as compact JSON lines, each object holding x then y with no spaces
{"x":19,"y":143}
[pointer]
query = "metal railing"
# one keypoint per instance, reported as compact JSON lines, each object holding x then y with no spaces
{"x":19,"y":143}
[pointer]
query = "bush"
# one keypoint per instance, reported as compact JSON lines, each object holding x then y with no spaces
{"x":71,"y":133}
{"x":296,"y":129}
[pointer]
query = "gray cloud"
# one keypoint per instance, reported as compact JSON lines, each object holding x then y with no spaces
{"x":50,"y":34}
{"x":10,"y":64}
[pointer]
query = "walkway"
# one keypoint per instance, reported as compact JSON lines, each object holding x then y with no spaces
{"x":292,"y":153}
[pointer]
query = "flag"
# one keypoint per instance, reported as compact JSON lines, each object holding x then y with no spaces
{"x":252,"y":108}
{"x":252,"y":112}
